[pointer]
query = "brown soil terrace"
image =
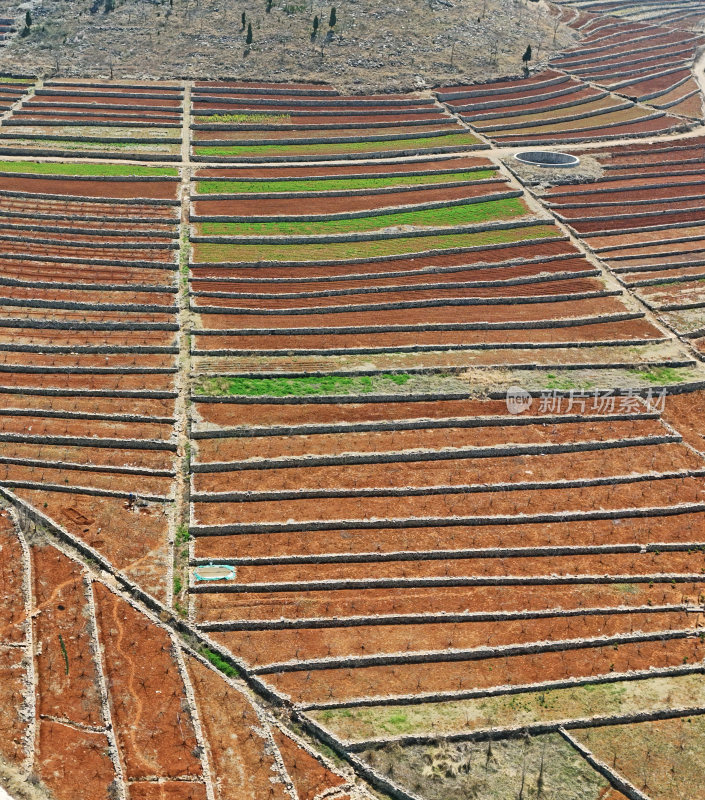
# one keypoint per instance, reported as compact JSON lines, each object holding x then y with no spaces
{"x":418,"y":547}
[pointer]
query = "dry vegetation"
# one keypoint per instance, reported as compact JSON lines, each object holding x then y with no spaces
{"x":379,"y":46}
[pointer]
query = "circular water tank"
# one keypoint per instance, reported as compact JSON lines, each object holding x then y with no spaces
{"x":547,"y":158}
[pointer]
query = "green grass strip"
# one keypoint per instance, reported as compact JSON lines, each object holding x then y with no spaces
{"x":338,"y":184}
{"x":288,"y":387}
{"x":663,"y":375}
{"x":99,"y":170}
{"x":450,"y":140}
{"x":219,"y":663}
{"x":209,"y":252}
{"x":472,"y":213}
{"x":244,"y":118}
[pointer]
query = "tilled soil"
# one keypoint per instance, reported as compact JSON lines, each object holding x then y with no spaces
{"x":241,"y":448}
{"x":12,"y":724}
{"x":72,"y":762}
{"x":293,"y":206}
{"x":686,"y":412}
{"x":557,"y":286}
{"x":168,"y":790}
{"x":305,"y":604}
{"x":113,"y":360}
{"x":238,"y":748}
{"x":434,"y":124}
{"x":553,"y":309}
{"x":493,"y":255}
{"x":62,"y":380}
{"x":348,"y":684}
{"x":49,"y":426}
{"x":502,"y":271}
{"x":599,"y":331}
{"x":424,"y":164}
{"x":45,"y":271}
{"x":642,"y":494}
{"x":309,"y":776}
{"x":263,"y":412}
{"x":15,"y":474}
{"x":102,"y":187}
{"x":83,"y":338}
{"x":627,"y":223}
{"x":260,"y":648}
{"x":88,"y":208}
{"x":133,"y":539}
{"x":152,"y":723}
{"x":653,"y":126}
{"x":641,"y":530}
{"x":66,"y":673}
{"x":614,"y":564}
{"x":12,"y":608}
{"x":459,"y":472}
{"x":143,"y":407}
{"x":109,"y":456}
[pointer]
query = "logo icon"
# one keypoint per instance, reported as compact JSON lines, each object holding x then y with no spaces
{"x":518,"y":400}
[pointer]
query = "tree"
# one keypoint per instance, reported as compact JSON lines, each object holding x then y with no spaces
{"x":527,"y":55}
{"x":27,"y":25}
{"x":109,"y":5}
{"x":248,"y":39}
{"x":244,"y":20}
{"x":315,"y":24}
{"x":269,"y":6}
{"x":333,"y":18}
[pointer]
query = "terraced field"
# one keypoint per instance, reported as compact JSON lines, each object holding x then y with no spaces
{"x":644,"y":220}
{"x":339,"y":456}
{"x":77,"y":118}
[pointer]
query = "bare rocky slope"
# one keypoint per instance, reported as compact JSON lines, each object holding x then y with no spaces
{"x":373,"y":46}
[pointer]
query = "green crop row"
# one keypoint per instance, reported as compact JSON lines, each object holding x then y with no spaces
{"x":338,"y":184}
{"x":254,"y":118}
{"x":307,"y":385}
{"x":211,"y":252}
{"x":99,"y":170}
{"x":450,"y":140}
{"x":472,"y":213}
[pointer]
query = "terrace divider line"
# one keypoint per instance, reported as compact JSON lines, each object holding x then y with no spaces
{"x":96,"y":652}
{"x":481,"y":653}
{"x":613,"y":777}
{"x":533,"y":728}
{"x":147,"y":605}
{"x":30,"y":679}
{"x":425,"y":619}
{"x":436,"y":489}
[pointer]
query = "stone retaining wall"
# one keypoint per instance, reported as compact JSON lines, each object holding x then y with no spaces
{"x":555,"y":120}
{"x":426,"y":522}
{"x":362,"y":154}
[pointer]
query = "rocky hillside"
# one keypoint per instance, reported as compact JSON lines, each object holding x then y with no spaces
{"x":395,"y":45}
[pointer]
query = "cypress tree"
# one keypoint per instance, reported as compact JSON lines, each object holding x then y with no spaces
{"x":527,"y":54}
{"x":248,"y":40}
{"x":315,"y":25}
{"x":333,"y":18}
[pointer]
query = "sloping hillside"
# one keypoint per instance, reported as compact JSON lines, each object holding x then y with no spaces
{"x":385,"y":46}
